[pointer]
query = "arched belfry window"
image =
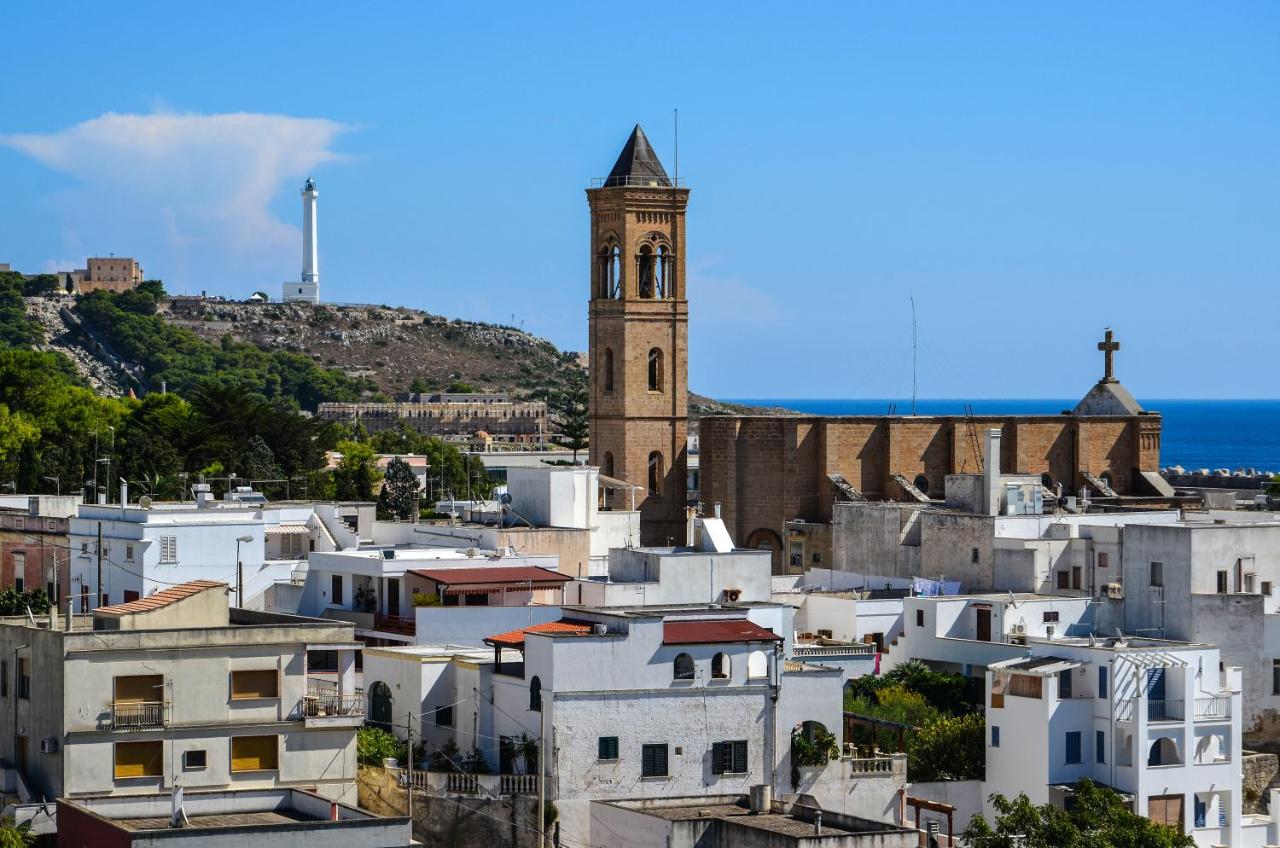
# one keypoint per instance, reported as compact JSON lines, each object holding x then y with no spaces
{"x":656,"y":370}
{"x":647,"y":272}
{"x":610,"y":271}
{"x":608,"y":369}
{"x":665,"y":283}
{"x":655,"y":474}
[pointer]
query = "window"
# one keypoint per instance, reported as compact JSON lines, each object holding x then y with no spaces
{"x":1100,"y":746}
{"x":4,"y":679}
{"x":1073,"y":747}
{"x":1157,"y":574}
{"x":1064,"y":685}
{"x":974,"y":556}
{"x":656,"y":373}
{"x":607,"y":748}
{"x":1275,"y":677}
{"x":1075,"y":577}
{"x":995,"y":736}
{"x":195,"y":760}
{"x":444,"y":716}
{"x":130,"y":596}
{"x":1064,"y":580}
{"x":24,"y":678}
{"x":720,"y":666}
{"x":608,"y":369}
{"x":255,"y":683}
{"x":84,"y":548}
{"x":682,"y":668}
{"x":817,"y":558}
{"x":729,"y":757}
{"x":655,"y":474}
{"x":1051,"y":617}
{"x":139,"y":689}
{"x":653,"y":760}
{"x":1266,"y":587}
{"x":19,"y":571}
{"x":254,"y":753}
{"x":535,"y":695}
{"x":1248,"y":583}
{"x":168,"y":549}
{"x":1102,"y":682}
{"x":128,"y":552}
{"x":919,"y":618}
{"x":139,"y":759}
{"x":1102,"y":559}
{"x":335,"y":588}
{"x":1222,"y":582}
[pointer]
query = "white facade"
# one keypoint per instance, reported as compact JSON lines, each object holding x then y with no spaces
{"x":665,"y":576}
{"x":180,"y":697}
{"x":1151,"y":719}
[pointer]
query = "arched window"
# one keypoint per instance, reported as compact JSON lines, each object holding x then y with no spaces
{"x":665,"y":288}
{"x":1164,"y":752}
{"x":608,"y":369}
{"x":656,"y":474}
{"x":535,"y":695}
{"x":720,"y":666}
{"x":656,"y":370}
{"x":757,"y":665}
{"x":646,"y":273}
{"x":683,"y":667}
{"x":610,"y":272}
{"x":922,"y":483}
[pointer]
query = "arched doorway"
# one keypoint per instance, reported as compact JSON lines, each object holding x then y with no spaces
{"x":380,"y":705}
{"x":764,"y":539}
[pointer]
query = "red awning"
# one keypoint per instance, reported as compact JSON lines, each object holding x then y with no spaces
{"x":493,"y":574}
{"x":714,"y":631}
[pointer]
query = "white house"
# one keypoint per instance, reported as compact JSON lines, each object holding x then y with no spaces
{"x":1155,"y":720}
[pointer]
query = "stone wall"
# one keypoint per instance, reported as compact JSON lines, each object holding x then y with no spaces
{"x":767,"y":469}
{"x":1258,"y":777}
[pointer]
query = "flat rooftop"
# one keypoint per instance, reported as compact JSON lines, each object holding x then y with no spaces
{"x":788,"y":824}
{"x":265,"y":818}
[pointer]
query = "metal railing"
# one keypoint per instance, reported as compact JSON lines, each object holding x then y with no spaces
{"x":635,"y":181}
{"x":1157,"y":710}
{"x":317,"y":704}
{"x":1214,"y":707}
{"x":399,"y":624}
{"x":146,"y":715}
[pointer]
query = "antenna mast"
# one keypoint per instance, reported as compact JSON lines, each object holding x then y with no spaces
{"x":676,"y":120}
{"x":914,"y":355}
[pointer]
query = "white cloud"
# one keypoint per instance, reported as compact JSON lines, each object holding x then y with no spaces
{"x":197,"y":182}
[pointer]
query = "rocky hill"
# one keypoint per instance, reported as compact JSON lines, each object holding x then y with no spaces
{"x":390,"y":347}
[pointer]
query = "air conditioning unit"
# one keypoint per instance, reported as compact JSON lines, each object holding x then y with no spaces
{"x":732,"y":595}
{"x":1049,"y":631}
{"x":1115,"y":591}
{"x":1018,"y":629}
{"x":49,"y":745}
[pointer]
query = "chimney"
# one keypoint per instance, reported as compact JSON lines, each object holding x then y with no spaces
{"x":689,"y":539}
{"x":991,"y":473}
{"x":124,"y":494}
{"x":761,"y":798}
{"x":817,"y":822}
{"x":717,"y":509}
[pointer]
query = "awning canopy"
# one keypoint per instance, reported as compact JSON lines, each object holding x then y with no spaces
{"x":288,"y":528}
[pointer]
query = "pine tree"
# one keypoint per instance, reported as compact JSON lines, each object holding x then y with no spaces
{"x":570,"y":411}
{"x":399,"y":496}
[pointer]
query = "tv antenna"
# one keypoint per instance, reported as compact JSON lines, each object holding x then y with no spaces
{"x":914,"y":356}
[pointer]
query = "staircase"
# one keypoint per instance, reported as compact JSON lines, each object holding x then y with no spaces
{"x":1101,"y":486}
{"x":910,"y":489}
{"x":846,"y":488}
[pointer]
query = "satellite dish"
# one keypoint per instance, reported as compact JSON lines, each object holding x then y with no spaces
{"x":145,"y":502}
{"x":506,"y":498}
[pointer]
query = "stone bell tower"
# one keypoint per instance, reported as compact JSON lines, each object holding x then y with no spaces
{"x":639,"y":338}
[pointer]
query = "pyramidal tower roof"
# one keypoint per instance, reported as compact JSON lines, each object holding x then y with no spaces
{"x":637,"y":164}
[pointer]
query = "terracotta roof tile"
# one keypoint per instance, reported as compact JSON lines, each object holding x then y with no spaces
{"x":162,"y":598}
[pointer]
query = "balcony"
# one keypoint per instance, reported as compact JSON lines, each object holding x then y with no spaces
{"x":1217,"y":708}
{"x":833,"y":651}
{"x":325,"y":706}
{"x":462,"y":783}
{"x":145,"y":715}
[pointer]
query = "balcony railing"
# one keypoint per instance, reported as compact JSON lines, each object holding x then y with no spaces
{"x":319,"y":704}
{"x":859,"y":649}
{"x":870,"y":765}
{"x":398,"y":624}
{"x":463,"y":783}
{"x":1157,"y":710}
{"x":147,"y":715}
{"x":1217,"y":707}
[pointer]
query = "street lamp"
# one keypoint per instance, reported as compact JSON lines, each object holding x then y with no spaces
{"x":240,"y":571}
{"x":99,"y":461}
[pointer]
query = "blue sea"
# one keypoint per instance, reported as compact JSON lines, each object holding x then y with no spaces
{"x":1197,"y":433}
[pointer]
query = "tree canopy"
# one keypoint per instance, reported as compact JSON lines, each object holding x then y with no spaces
{"x":399,"y":495}
{"x":1098,"y":818}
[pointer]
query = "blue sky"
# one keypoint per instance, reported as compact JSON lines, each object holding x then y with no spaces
{"x":1028,"y":172}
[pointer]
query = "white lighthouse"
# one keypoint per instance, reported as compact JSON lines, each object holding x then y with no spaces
{"x":308,"y":290}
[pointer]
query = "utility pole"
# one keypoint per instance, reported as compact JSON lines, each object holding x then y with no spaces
{"x":542,"y":771}
{"x":98,"y":587}
{"x":408,"y":723}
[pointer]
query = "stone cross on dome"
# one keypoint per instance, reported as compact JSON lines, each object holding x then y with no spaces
{"x":1109,"y":346}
